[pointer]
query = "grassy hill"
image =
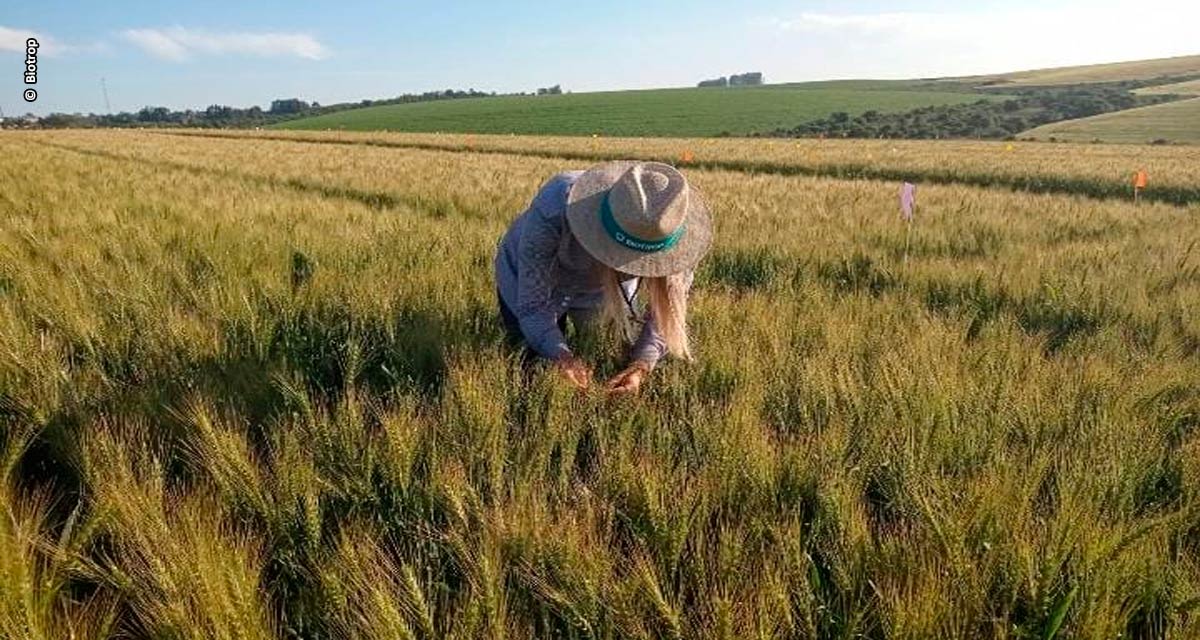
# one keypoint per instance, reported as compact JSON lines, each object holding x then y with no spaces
{"x":1189,"y":88}
{"x":1173,"y":121}
{"x":798,"y":107}
{"x":660,"y":112}
{"x":1111,"y":72}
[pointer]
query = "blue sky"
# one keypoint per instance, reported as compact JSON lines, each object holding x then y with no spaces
{"x":242,"y":53}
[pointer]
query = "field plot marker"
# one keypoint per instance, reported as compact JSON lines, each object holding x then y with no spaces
{"x":908,"y":205}
{"x":1140,"y":180}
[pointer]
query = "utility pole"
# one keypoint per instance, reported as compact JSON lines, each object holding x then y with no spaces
{"x":104,"y":89}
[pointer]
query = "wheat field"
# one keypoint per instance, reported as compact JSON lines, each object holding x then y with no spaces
{"x":1177,"y":122}
{"x":254,"y":386}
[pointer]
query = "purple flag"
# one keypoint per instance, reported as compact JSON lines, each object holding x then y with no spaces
{"x":908,"y":200}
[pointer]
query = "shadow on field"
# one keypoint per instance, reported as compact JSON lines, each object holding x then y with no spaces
{"x":1046,"y":313}
{"x":1040,"y":313}
{"x":758,"y":269}
{"x":322,"y":349}
{"x":743,"y":270}
{"x":974,"y":242}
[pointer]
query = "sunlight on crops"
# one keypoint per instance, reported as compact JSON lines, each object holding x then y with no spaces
{"x":257,"y":388}
{"x":1096,"y":169}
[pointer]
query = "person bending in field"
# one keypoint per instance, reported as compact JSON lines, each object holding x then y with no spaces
{"x":580,"y":250}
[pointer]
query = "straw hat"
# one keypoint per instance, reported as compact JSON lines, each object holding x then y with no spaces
{"x":640,"y":218}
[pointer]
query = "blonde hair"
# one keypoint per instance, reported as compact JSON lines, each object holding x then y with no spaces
{"x":668,"y":305}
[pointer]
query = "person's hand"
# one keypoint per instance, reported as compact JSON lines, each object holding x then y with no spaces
{"x":630,"y":380}
{"x":575,"y":371}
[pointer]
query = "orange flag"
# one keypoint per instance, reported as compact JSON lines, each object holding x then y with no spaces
{"x":687,"y":156}
{"x":1140,"y":179}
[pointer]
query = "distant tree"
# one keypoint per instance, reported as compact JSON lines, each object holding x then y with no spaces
{"x":154,"y":114}
{"x":218,"y":112}
{"x":288,"y":105}
{"x":716,"y":82}
{"x":746,"y":79}
{"x":74,"y":120}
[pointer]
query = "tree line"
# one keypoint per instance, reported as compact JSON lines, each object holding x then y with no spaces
{"x":234,"y":117}
{"x":986,"y":118}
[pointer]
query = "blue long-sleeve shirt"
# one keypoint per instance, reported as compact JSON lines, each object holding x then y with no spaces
{"x":542,"y":273}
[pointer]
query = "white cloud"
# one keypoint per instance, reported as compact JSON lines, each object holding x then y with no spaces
{"x":156,"y":43}
{"x":14,"y":40}
{"x":1006,"y":39}
{"x":911,"y":22}
{"x":178,"y":43}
